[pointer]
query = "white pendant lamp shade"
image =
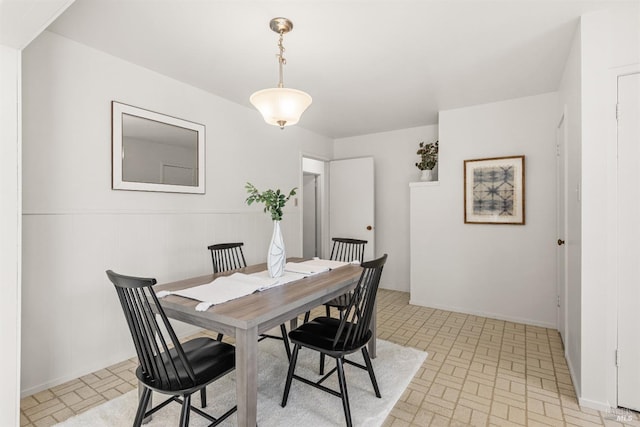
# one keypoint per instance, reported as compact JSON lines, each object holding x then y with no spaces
{"x":281,"y":106}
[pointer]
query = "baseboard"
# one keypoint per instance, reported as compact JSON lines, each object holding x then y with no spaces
{"x":486,"y":314}
{"x":86,"y":370}
{"x":587,"y":403}
{"x":592,"y":404}
{"x":392,"y":287}
{"x":572,"y":373}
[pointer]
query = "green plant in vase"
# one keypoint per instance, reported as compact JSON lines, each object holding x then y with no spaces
{"x":274,"y":202}
{"x":428,"y":159}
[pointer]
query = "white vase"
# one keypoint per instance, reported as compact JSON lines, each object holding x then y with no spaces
{"x":427,"y":175}
{"x":276,"y":258}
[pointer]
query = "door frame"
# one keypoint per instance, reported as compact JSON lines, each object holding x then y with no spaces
{"x":322,"y":197}
{"x":562,"y":193}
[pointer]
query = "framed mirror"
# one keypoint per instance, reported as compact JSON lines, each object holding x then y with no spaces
{"x":155,"y":152}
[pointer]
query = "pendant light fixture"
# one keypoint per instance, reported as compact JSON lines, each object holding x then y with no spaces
{"x":281,"y":106}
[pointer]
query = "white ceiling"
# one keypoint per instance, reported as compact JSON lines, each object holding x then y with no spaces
{"x":370,"y":66}
{"x":21,"y":21}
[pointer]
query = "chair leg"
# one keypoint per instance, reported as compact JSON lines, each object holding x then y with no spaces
{"x":372,"y":375}
{"x":283,"y":330}
{"x":306,"y":317}
{"x":186,"y":408}
{"x":219,"y":337}
{"x":292,"y":368}
{"x":328,"y":310}
{"x":142,"y":407}
{"x":343,"y":391}
{"x":203,"y":397}
{"x":321,"y":363}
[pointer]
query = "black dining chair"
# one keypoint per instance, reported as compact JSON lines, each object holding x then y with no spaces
{"x":338,"y":338}
{"x":165,"y":365}
{"x":227,"y":257}
{"x":345,"y":250}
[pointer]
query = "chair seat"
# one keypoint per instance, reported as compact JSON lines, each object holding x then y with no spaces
{"x":320,"y":333}
{"x":208,"y":358}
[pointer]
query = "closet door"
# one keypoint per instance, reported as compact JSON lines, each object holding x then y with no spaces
{"x":629,"y":242}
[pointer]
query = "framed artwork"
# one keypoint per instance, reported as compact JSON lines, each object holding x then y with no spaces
{"x":494,"y":190}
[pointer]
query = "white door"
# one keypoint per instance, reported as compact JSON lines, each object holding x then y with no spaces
{"x":352,"y":201}
{"x":561,"y":254}
{"x":629,"y":242}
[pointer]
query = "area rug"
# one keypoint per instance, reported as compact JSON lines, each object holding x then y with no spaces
{"x":395,"y":366}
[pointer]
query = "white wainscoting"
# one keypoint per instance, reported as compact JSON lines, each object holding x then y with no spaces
{"x":72,"y":323}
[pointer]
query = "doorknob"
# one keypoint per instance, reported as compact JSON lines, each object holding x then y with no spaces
{"x":369,"y":228}
{"x":560,"y":242}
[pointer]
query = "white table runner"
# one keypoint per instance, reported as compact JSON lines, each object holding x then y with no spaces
{"x":314,"y":266}
{"x":236,"y":285}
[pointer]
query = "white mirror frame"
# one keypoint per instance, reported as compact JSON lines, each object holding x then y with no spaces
{"x":117,"y":182}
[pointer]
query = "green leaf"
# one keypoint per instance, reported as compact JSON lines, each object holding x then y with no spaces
{"x":274,"y":201}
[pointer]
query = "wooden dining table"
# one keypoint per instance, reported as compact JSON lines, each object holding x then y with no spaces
{"x":246,"y":317}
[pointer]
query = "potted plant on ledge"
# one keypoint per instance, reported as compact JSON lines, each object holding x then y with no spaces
{"x":274,"y":202}
{"x":428,"y":159}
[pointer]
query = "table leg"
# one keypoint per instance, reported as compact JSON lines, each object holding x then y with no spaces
{"x":374,"y":331}
{"x":247,"y":376}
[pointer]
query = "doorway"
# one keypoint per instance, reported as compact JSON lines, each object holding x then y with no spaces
{"x":309,"y":215}
{"x":345,"y":185}
{"x":314,"y":206}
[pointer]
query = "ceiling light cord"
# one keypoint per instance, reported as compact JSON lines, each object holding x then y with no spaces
{"x":282,"y":61}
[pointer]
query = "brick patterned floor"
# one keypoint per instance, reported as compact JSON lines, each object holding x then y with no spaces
{"x":479,"y":372}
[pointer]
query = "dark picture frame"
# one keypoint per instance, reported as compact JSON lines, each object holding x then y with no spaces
{"x":494,"y":190}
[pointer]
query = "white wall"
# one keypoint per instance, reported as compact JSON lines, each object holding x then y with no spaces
{"x":21,"y":23}
{"x":10,"y":235}
{"x":75,"y":227}
{"x":570,"y":103}
{"x":394,"y":155}
{"x":609,"y":39}
{"x":499,"y":271}
{"x":596,"y":298}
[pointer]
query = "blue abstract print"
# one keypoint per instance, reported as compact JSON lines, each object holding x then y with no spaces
{"x":493,"y":191}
